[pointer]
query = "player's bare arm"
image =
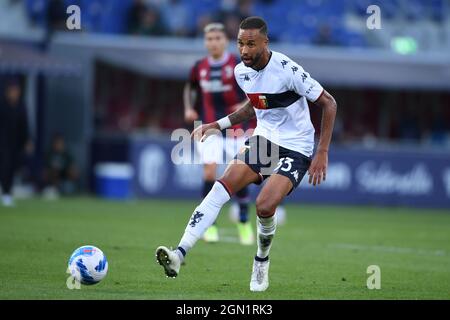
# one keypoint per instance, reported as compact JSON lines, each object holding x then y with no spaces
{"x":239,"y":105}
{"x":318,"y":169}
{"x":190,"y":114}
{"x":246,"y":112}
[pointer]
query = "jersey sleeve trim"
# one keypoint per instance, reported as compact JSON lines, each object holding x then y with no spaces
{"x":321,"y":94}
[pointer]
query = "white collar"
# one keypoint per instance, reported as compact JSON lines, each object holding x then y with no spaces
{"x":220,"y":61}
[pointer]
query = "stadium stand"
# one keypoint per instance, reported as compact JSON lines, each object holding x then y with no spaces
{"x":301,"y":21}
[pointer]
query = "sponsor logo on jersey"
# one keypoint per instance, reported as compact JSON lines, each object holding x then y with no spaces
{"x":215,"y":85}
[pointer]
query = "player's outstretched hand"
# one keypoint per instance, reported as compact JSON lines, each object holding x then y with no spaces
{"x":205,"y":130}
{"x":318,"y":168}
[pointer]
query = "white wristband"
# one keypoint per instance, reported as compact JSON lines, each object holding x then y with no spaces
{"x":224,"y":123}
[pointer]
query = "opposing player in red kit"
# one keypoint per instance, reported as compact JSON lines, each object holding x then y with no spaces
{"x":210,"y":94}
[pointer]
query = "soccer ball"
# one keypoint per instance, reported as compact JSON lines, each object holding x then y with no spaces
{"x":88,"y":265}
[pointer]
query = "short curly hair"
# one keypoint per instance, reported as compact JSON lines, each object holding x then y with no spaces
{"x":254,"y":23}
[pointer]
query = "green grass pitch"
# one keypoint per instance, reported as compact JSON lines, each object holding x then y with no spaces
{"x":321,"y":253}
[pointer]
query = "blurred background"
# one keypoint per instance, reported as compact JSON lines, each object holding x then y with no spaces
{"x":103,"y":101}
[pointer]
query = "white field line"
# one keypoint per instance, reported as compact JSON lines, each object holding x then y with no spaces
{"x":228,"y":239}
{"x":389,"y":249}
{"x":228,"y":235}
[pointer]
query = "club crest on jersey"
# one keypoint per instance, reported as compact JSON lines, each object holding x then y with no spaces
{"x":258,"y":100}
{"x":262,"y":102}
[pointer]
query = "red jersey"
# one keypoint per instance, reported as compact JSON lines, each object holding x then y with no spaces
{"x":219,"y":91}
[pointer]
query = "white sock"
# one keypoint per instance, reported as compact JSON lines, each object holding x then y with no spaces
{"x":266,"y":228}
{"x":204,"y":216}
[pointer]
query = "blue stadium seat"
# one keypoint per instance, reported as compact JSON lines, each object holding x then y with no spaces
{"x":275,"y":15}
{"x":107,"y":16}
{"x":415,"y":10}
{"x":75,"y":2}
{"x":359,"y":7}
{"x":438,"y":12}
{"x":37,"y":11}
{"x":389,"y":9}
{"x":199,"y":8}
{"x":350,"y":38}
{"x":302,"y":28}
{"x":92,"y":12}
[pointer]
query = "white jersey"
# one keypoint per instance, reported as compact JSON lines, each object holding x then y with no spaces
{"x":278,"y":93}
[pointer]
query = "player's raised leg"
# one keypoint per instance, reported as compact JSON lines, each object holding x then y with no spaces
{"x":236,"y":176}
{"x":209,"y":178}
{"x":271,"y":195}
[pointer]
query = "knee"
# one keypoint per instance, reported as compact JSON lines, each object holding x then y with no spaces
{"x":265,"y":207}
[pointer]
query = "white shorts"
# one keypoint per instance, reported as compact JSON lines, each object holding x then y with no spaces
{"x":217,"y":149}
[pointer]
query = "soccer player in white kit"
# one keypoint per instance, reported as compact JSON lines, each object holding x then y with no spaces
{"x":280,"y":150}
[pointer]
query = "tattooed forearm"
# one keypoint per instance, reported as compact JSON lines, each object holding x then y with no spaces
{"x":246,"y":112}
{"x":329,"y":108}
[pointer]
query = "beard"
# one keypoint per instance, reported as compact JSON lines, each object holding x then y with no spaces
{"x":254,"y":61}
